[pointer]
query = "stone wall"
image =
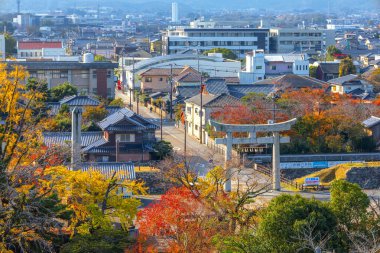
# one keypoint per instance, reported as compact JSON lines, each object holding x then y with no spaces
{"x":367,"y":178}
{"x":292,"y":174}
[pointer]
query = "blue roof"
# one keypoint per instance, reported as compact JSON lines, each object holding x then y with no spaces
{"x":123,"y":170}
{"x":79,"y":101}
{"x":372,"y":121}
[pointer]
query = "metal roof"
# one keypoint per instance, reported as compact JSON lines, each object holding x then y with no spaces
{"x":343,"y":79}
{"x":216,"y":86}
{"x":240,"y":90}
{"x":123,"y":170}
{"x":370,"y":122}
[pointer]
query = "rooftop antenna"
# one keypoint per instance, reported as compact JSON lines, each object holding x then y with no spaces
{"x":18,"y":6}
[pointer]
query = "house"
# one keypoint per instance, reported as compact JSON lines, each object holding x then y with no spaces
{"x":188,"y":78}
{"x":293,"y":82}
{"x":39,"y":49}
{"x":372,"y":126}
{"x":158,"y":79}
{"x":125,"y":137}
{"x":352,"y":85}
{"x":260,"y":66}
{"x":91,"y":78}
{"x":327,"y":71}
{"x":210,"y":103}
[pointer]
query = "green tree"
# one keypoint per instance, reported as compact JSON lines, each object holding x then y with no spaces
{"x":346,"y":67}
{"x":163,"y":149}
{"x":227,"y":53}
{"x":331,"y":51}
{"x":101,"y":241}
{"x":117,"y":102}
{"x":10,"y":45}
{"x":288,"y":219}
{"x":313,"y":71}
{"x":63,"y":90}
{"x":100,"y":58}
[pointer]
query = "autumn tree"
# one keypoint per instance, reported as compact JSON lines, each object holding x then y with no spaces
{"x":331,"y":52}
{"x":346,"y":67}
{"x":117,"y":102}
{"x":63,"y":90}
{"x":227,"y":53}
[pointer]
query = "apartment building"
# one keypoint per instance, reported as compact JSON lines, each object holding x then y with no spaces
{"x":239,"y":40}
{"x":260,"y":66}
{"x":287,"y":40}
{"x":91,"y":78}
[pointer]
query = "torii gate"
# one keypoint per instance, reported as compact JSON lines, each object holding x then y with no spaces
{"x":275,"y":128}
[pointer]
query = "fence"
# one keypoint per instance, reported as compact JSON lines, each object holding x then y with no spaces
{"x":219,"y":148}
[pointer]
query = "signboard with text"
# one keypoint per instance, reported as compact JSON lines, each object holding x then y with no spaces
{"x":312,"y":181}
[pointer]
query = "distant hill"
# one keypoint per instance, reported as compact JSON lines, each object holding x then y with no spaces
{"x":164,"y":5}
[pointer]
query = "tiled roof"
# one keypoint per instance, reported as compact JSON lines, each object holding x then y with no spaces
{"x":293,"y":82}
{"x":231,"y":80}
{"x":372,"y":121}
{"x":97,"y":143}
{"x":343,"y":79}
{"x":197,"y":99}
{"x":216,"y":86}
{"x":240,"y":91}
{"x":161,"y":72}
{"x":123,"y":170}
{"x":222,"y":101}
{"x":329,"y":68}
{"x":29,"y":45}
{"x":79,"y":101}
{"x":188,"y":77}
{"x":187,"y":91}
{"x":64,"y":138}
{"x":111,"y":121}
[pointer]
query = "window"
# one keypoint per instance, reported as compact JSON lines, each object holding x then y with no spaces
{"x":260,"y":78}
{"x":94,"y":74}
{"x":84,"y":74}
{"x":290,"y":66}
{"x":188,"y":109}
{"x":273,"y":67}
{"x":196,"y":110}
{"x":148,"y":79}
{"x":56,"y":74}
{"x":196,"y":127}
{"x":94,"y":90}
{"x":64,"y":74}
{"x":125,"y":137}
{"x":161,"y":79}
{"x":105,"y":159}
{"x":109,"y":73}
{"x":259,"y":67}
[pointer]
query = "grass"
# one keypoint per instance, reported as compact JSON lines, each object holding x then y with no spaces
{"x":337,"y":172}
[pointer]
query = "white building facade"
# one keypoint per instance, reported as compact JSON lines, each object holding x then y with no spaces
{"x":238,"y":40}
{"x":175,"y":15}
{"x":2,"y":47}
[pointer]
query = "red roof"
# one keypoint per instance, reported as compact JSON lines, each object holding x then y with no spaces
{"x":28,"y":45}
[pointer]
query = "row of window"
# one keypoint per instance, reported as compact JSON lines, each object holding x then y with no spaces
{"x":213,"y":43}
{"x":31,"y":54}
{"x":302,"y":67}
{"x":41,"y":74}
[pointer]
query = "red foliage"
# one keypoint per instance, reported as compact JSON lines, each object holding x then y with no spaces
{"x":179,"y":219}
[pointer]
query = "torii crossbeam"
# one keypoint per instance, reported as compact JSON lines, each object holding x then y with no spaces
{"x":276,"y":128}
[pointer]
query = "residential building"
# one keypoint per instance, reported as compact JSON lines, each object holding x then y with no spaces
{"x":261,"y":66}
{"x":210,"y":104}
{"x":239,"y":40}
{"x":351,"y":85}
{"x":287,"y":40}
{"x":212,"y":65}
{"x":125,"y":137}
{"x":40,"y":49}
{"x":175,"y":18}
{"x":158,"y":79}
{"x":327,"y":70}
{"x":91,"y":78}
{"x":372,"y":126}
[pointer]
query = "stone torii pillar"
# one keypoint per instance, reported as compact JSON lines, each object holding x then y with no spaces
{"x":276,"y":128}
{"x":76,"y":142}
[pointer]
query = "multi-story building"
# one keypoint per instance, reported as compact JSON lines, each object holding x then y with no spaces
{"x":92,"y":78}
{"x":260,"y":66}
{"x":2,"y":47}
{"x":239,"y":40}
{"x":40,"y":49}
{"x":287,"y":40}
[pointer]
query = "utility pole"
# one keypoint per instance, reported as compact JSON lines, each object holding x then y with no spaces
{"x":133,"y":82}
{"x":161,"y":118}
{"x":201,"y":94}
{"x":171,"y":92}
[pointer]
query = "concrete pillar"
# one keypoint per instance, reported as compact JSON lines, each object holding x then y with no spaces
{"x":276,"y":176}
{"x":228,"y":157}
{"x":76,"y":143}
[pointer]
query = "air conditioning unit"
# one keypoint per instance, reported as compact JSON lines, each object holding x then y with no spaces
{"x":270,"y":122}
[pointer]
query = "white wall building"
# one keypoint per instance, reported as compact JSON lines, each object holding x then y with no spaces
{"x":40,"y":49}
{"x":175,"y":14}
{"x":287,"y":40}
{"x":239,"y":40}
{"x":260,"y":66}
{"x":212,"y":65}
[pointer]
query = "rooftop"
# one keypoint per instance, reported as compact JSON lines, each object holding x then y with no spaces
{"x":30,"y":45}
